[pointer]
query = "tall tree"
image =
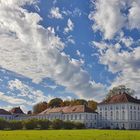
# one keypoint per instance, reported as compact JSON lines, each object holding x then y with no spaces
{"x":78,"y":102}
{"x":120,"y":89}
{"x":38,"y":108}
{"x":66,"y":103}
{"x":56,"y":102}
{"x":92,"y":104}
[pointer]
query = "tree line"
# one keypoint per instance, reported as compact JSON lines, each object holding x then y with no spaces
{"x":58,"y":102}
{"x":32,"y":124}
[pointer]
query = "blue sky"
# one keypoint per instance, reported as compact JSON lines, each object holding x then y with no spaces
{"x":68,"y":49}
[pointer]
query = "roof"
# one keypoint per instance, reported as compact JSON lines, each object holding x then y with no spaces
{"x":68,"y":109}
{"x":121,"y":98}
{"x":16,"y":110}
{"x":4,"y":112}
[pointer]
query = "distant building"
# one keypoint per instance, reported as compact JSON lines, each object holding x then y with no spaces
{"x":121,"y":111}
{"x":5,"y":115}
{"x":79,"y":113}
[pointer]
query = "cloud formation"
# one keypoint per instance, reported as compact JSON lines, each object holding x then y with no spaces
{"x":121,"y":54}
{"x":70,"y":26}
{"x":110,"y":16}
{"x":55,"y":13}
{"x":29,"y":49}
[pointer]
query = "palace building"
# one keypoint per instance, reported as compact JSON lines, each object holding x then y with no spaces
{"x":121,"y":111}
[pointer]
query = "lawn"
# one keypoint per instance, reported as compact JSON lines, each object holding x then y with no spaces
{"x":70,"y":135}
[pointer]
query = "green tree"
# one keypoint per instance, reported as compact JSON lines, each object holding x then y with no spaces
{"x":43,"y":124}
{"x":66,"y":103}
{"x":56,"y":102}
{"x":3,"y":124}
{"x":92,"y":104}
{"x":57,"y":124}
{"x":68,"y":125}
{"x":120,"y":89}
{"x":78,"y":102}
{"x":79,"y":125}
{"x":30,"y":124}
{"x":38,"y":108}
{"x":15,"y":125}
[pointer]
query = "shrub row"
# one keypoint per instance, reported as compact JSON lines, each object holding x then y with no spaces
{"x":39,"y":124}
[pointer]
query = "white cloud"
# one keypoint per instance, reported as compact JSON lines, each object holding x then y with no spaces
{"x":121,"y":58}
{"x":124,"y":62}
{"x":29,"y":49}
{"x":55,"y":13}
{"x":32,"y":96}
{"x":11,"y":100}
{"x":74,"y":12}
{"x":134,"y":18}
{"x":109,"y":18}
{"x":79,"y":54}
{"x":70,"y":39}
{"x":70,"y":26}
{"x":128,"y":41}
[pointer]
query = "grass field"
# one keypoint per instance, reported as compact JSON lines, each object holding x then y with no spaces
{"x":70,"y":135}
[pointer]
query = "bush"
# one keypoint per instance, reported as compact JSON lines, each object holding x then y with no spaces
{"x":68,"y":125}
{"x":15,"y":125}
{"x":3,"y":124}
{"x":79,"y":125}
{"x":43,"y":124}
{"x":30,"y":124}
{"x":40,"y":124}
{"x":57,"y":124}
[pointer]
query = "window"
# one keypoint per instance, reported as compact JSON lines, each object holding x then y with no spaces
{"x":138,"y":115}
{"x":117,"y":115}
{"x":134,"y":107}
{"x":86,"y":116}
{"x":106,"y":115}
{"x":131,"y":115}
{"x":134,"y":115}
{"x":123,"y":107}
{"x":100,"y":115}
{"x":67,"y":117}
{"x":75,"y":117}
{"x":123,"y":115}
{"x":95,"y":117}
{"x":111,"y":114}
{"x":71,"y":117}
{"x":79,"y":116}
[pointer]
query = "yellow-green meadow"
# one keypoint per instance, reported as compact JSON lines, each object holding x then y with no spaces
{"x":70,"y":135}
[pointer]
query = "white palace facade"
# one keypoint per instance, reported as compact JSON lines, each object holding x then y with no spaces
{"x":121,"y":111}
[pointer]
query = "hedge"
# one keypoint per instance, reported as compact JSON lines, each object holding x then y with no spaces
{"x":39,"y":124}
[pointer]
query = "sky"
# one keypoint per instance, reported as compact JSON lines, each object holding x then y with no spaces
{"x":67,"y":49}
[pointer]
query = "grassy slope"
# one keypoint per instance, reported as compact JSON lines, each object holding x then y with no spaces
{"x":70,"y":135}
